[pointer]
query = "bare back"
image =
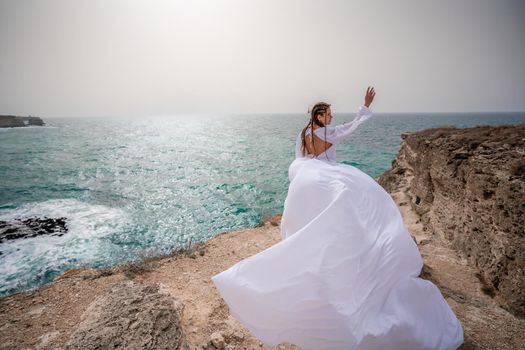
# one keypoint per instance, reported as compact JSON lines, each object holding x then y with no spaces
{"x":319,"y":145}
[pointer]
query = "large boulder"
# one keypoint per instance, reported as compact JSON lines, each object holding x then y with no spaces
{"x":468,"y":186}
{"x":131,"y":316}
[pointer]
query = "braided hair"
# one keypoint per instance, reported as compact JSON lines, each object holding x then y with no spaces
{"x":319,"y":109}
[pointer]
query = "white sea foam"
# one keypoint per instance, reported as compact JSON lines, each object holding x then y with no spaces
{"x":25,"y":260}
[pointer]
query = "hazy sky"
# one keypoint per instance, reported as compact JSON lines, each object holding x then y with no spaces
{"x":107,"y":57}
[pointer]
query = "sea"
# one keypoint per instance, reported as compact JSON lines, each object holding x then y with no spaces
{"x":129,"y":188}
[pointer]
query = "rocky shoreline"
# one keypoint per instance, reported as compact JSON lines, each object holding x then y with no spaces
{"x":169,"y":302}
{"x":12,"y":121}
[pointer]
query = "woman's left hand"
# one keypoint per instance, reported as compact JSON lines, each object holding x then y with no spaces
{"x":369,"y":97}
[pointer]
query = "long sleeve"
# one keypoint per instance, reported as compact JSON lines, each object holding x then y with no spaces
{"x":338,"y":133}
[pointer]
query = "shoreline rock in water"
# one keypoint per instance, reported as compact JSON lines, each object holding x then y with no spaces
{"x":12,"y":121}
{"x":468,"y":187}
{"x":32,"y":227}
{"x":59,"y":314}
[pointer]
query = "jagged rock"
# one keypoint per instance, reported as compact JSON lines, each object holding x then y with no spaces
{"x":217,"y":340}
{"x":234,"y":334}
{"x":468,"y":186}
{"x":32,"y":227}
{"x":131,"y":316}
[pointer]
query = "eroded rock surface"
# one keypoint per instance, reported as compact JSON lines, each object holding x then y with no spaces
{"x":131,"y":316}
{"x":468,"y":187}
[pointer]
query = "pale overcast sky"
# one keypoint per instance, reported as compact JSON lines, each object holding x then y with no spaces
{"x":108,"y":57}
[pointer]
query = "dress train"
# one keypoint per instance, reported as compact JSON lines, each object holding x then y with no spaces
{"x":345,"y":275}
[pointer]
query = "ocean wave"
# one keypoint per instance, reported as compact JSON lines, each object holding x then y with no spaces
{"x":28,"y":262}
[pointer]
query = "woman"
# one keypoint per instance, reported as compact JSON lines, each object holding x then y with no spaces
{"x":345,"y":275}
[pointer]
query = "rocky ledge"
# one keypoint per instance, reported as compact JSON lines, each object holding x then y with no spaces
{"x":468,"y":188}
{"x":12,"y":121}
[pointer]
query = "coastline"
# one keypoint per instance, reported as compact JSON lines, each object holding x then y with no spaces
{"x":13,"y":121}
{"x":47,"y":317}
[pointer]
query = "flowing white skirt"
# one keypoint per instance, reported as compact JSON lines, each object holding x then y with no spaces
{"x":345,"y":275}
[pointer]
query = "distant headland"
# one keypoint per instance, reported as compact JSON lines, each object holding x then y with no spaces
{"x":12,"y":121}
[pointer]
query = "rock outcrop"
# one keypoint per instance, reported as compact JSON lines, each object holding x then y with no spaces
{"x":131,"y":316}
{"x":12,"y":121}
{"x":468,"y":187}
{"x":33,"y":121}
{"x":32,"y":227}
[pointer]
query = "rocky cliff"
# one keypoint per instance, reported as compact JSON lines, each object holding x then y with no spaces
{"x":11,"y":121}
{"x":468,"y":187}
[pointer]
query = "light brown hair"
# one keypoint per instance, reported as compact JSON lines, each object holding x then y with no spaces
{"x":319,"y":109}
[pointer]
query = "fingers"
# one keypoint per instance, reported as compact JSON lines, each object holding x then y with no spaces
{"x":369,"y":97}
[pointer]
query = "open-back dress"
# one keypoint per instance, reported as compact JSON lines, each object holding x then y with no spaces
{"x":345,"y":274}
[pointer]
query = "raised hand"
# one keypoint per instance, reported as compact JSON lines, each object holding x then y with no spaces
{"x":369,"y":97}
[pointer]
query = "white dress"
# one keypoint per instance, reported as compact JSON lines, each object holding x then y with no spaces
{"x":345,"y":275}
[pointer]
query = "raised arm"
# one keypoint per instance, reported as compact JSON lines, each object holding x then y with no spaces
{"x":338,"y":133}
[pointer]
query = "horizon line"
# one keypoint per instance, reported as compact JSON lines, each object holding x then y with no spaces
{"x":238,"y":113}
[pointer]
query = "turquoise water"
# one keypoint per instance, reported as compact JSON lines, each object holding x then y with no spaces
{"x":132,"y":187}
